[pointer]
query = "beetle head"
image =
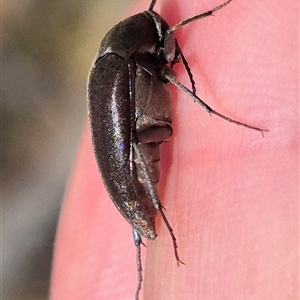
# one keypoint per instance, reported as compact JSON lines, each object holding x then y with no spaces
{"x":166,"y":50}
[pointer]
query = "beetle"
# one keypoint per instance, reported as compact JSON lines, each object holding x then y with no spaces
{"x":129,"y":106}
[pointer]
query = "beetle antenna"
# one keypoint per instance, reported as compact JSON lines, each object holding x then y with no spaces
{"x":197,"y":17}
{"x":152,"y":5}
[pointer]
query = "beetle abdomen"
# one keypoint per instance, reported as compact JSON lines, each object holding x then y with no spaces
{"x":153,"y":117}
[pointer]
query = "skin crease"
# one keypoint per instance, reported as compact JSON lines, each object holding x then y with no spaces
{"x":230,"y":195}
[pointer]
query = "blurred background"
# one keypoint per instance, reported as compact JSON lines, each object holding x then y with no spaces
{"x":47,"y":50}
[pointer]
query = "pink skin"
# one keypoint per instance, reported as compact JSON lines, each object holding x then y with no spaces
{"x":230,"y":195}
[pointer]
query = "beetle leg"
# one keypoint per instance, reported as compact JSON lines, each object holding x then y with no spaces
{"x":155,"y":199}
{"x":187,"y":68}
{"x":138,"y":241}
{"x":168,"y":74}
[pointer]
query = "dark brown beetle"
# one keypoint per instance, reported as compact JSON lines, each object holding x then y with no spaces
{"x":130,"y":115}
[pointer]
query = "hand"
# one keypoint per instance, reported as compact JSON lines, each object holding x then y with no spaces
{"x":230,"y":195}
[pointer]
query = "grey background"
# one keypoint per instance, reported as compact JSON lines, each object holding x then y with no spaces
{"x":47,"y":50}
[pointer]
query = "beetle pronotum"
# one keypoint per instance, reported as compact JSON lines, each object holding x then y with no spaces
{"x":130,"y":115}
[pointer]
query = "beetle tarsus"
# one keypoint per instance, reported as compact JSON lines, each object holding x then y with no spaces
{"x":170,"y":229}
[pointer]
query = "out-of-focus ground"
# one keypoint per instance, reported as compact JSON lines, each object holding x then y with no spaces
{"x":47,"y":51}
